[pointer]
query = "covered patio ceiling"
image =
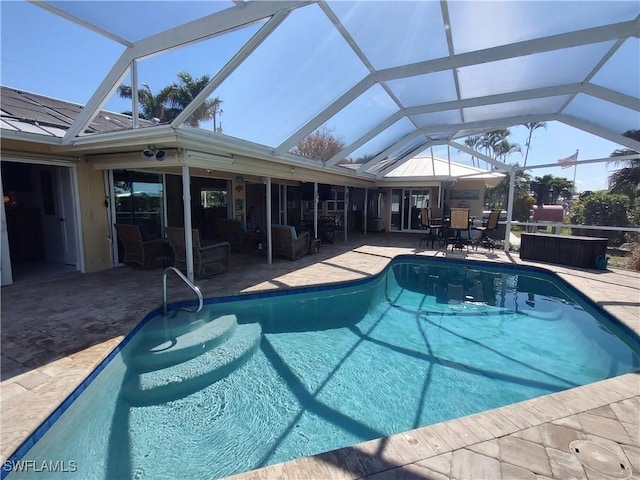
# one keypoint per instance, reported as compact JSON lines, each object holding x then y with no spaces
{"x":389,"y":79}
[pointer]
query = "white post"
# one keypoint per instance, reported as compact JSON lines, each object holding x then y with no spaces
{"x":269,"y":242}
{"x":134,"y":94}
{"x":6,"y":272}
{"x":346,"y":210}
{"x":366,"y":211}
{"x":188,"y":237}
{"x":315,"y":209}
{"x":512,"y":186}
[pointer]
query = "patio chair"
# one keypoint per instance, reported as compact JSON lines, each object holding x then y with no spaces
{"x":287,"y":243}
{"x":459,"y":223}
{"x":492,"y":225}
{"x":234,"y":232}
{"x":146,"y":254}
{"x":207,"y":260}
{"x":435,"y":225}
{"x":326,"y":229}
{"x":424,"y":225}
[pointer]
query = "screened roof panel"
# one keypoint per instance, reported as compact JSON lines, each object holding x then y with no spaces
{"x":536,"y":106}
{"x":425,"y":89}
{"x":285,"y":68}
{"x":361,"y":115}
{"x":136,"y":20}
{"x":41,"y":53}
{"x":622,"y":72}
{"x":411,"y":147}
{"x":479,"y":25}
{"x":284,"y":83}
{"x":447,"y":117}
{"x":603,"y":114}
{"x":379,"y":143}
{"x":394,"y":33}
{"x":547,"y":69}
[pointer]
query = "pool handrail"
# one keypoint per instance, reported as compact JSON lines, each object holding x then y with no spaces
{"x":193,"y":287}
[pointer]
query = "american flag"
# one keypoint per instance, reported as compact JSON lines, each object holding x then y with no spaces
{"x":568,"y":162}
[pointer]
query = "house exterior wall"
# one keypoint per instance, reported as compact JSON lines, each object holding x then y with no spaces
{"x":467,"y":194}
{"x":93,"y":218}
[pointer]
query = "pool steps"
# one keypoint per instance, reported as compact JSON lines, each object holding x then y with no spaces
{"x":157,"y":350}
{"x":204,"y":353}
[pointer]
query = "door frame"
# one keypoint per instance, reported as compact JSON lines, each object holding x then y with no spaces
{"x":75,"y":223}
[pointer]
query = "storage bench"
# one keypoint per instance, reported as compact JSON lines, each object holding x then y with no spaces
{"x":570,"y":250}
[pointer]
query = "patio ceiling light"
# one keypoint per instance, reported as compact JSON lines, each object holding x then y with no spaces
{"x":151,"y":153}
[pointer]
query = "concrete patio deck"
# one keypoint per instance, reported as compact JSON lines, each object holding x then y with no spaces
{"x":55,"y":332}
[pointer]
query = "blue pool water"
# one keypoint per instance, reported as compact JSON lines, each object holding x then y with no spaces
{"x":298,"y":373}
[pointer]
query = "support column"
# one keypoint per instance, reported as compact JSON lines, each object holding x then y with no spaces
{"x":188,"y":236}
{"x":366,"y":211}
{"x":346,"y":211}
{"x":512,"y":186}
{"x":315,"y":209}
{"x":269,"y":235}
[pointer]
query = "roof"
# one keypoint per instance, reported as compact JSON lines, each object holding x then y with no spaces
{"x":32,"y":113}
{"x":390,"y":79}
{"x":426,"y":166}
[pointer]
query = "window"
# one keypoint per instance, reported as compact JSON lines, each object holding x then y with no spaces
{"x":213,"y":198}
{"x":336,"y":204}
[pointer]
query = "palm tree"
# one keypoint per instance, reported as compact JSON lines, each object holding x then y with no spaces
{"x":504,"y":148}
{"x":531,"y":127}
{"x":494,"y":143}
{"x":173,"y":99}
{"x":183,"y":93}
{"x":498,"y":195}
{"x":559,"y":186}
{"x":626,"y":180}
{"x":151,"y":107}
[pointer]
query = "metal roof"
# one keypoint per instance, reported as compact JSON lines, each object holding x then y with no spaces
{"x":390,"y":79}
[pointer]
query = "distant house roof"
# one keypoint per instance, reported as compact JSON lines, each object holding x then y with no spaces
{"x":425,"y":167}
{"x":32,"y":113}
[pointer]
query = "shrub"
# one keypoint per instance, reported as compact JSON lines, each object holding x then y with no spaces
{"x":603,"y":208}
{"x":633,"y":262}
{"x":522,"y":207}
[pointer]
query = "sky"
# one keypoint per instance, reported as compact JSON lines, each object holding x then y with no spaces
{"x":263,"y":98}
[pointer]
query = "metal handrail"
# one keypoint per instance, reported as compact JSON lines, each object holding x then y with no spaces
{"x":195,"y":289}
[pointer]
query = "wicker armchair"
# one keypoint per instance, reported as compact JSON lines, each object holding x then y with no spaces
{"x":207,"y":260}
{"x":286,"y":243}
{"x":146,"y":254}
{"x":233,"y":231}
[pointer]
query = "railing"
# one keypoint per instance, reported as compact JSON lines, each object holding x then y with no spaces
{"x":195,"y":289}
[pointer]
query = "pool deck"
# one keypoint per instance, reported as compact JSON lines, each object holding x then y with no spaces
{"x":56,"y":331}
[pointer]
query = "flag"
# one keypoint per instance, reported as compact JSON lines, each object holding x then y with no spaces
{"x":568,"y":162}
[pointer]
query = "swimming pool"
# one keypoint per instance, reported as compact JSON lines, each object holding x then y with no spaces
{"x":334,"y":371}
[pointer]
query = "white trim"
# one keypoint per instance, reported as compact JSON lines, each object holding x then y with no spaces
{"x":6,"y":270}
{"x":80,"y":258}
{"x":111,"y":217}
